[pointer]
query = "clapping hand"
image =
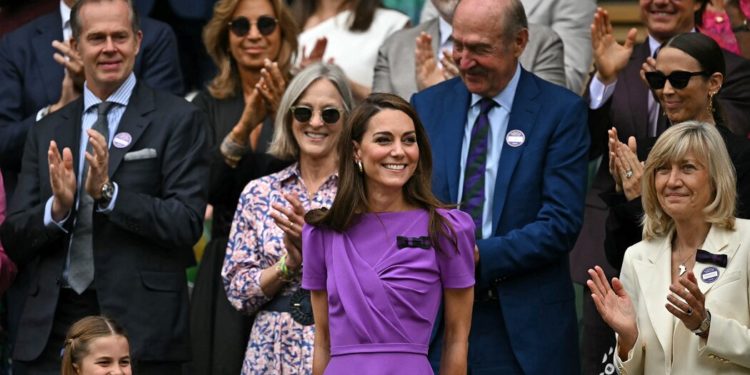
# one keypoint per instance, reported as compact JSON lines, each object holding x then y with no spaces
{"x":62,"y":180}
{"x":291,"y":220}
{"x":610,"y":57}
{"x":316,"y":54}
{"x":271,"y":86}
{"x":425,"y":63}
{"x":615,"y":307}
{"x":687,"y":302}
{"x":627,"y":167}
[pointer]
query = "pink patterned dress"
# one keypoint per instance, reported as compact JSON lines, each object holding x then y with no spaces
{"x":277,"y":344}
{"x":717,"y":26}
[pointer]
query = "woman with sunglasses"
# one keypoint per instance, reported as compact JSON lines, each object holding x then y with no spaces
{"x":383,"y":257}
{"x":251,"y":42}
{"x":685,"y":78}
{"x":347,"y":32}
{"x":262,"y":266}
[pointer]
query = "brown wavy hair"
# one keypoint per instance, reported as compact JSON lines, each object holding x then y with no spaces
{"x":216,"y":39}
{"x":351,"y":198}
{"x":81,"y":334}
{"x":363,"y":12}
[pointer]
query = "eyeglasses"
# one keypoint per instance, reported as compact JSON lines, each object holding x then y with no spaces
{"x":302,"y":113}
{"x":240,"y":26}
{"x":678,"y":79}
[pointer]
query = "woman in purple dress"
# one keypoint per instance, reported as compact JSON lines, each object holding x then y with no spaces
{"x":381,"y":258}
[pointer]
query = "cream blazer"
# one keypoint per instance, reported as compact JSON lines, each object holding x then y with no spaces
{"x":664,"y":344}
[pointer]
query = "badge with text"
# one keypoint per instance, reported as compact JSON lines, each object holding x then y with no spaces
{"x":710,"y":274}
{"x":122,"y":140}
{"x":515,"y":138}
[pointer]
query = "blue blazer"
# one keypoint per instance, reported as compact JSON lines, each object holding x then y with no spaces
{"x":537,"y":214}
{"x":31,"y":79}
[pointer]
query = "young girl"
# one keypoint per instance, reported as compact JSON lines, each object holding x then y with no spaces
{"x":96,"y":345}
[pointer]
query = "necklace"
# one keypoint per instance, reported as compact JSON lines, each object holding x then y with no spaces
{"x":681,"y":269}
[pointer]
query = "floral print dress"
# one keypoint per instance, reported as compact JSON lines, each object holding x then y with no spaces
{"x":277,"y":344}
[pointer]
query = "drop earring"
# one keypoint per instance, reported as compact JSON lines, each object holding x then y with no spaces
{"x":359,"y":166}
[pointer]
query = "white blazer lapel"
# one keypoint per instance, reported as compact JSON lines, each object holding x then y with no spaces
{"x":718,"y":241}
{"x":653,"y":275}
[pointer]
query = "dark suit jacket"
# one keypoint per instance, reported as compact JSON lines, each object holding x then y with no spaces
{"x":627,"y":110}
{"x":537,"y":212}
{"x":141,"y":248}
{"x":30,"y":79}
{"x":193,"y":9}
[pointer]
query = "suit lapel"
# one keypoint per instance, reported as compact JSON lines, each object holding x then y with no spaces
{"x":68,"y":131}
{"x":133,"y":122}
{"x":50,"y":71}
{"x":522,"y":117}
{"x":637,"y":92}
{"x":654,"y":278}
{"x":718,"y":241}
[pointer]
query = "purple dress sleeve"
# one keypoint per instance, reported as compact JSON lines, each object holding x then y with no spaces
{"x":457,"y":264}
{"x":313,"y":258}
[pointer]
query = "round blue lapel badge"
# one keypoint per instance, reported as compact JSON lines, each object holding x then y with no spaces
{"x":710,"y":274}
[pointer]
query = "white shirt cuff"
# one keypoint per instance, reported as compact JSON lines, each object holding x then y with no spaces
{"x":599,"y":93}
{"x":51,"y":223}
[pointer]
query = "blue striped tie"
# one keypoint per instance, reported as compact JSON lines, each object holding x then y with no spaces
{"x":473,"y":192}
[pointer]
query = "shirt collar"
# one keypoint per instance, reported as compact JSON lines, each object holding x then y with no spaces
{"x":64,"y":13}
{"x":293,"y":171}
{"x":654,"y":44}
{"x":504,"y":98}
{"x":121,"y":96}
{"x":445,"y":29}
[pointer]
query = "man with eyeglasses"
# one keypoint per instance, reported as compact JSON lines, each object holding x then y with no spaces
{"x":618,"y":97}
{"x":109,"y":203}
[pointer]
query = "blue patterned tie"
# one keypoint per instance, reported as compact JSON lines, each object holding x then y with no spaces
{"x":473,"y":192}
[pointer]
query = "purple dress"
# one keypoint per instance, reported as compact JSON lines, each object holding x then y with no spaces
{"x":382,"y":299}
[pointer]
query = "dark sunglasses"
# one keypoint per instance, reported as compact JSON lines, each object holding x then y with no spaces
{"x":240,"y":26}
{"x":303,"y":113}
{"x":678,"y":79}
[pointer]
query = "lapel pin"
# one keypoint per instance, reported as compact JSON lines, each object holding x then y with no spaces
{"x":515,"y":138}
{"x":122,"y":140}
{"x":710,"y":274}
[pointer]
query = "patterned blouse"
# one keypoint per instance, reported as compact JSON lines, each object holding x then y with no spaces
{"x":277,"y":344}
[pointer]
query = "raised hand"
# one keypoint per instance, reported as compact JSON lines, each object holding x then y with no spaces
{"x":316,"y":54}
{"x":98,"y":161}
{"x":629,"y":168}
{"x":612,"y":142}
{"x":687,"y":302}
{"x":450,"y":68}
{"x":72,"y":84}
{"x":614,"y":306}
{"x":62,"y":180}
{"x":252,"y":116}
{"x":291,"y":220}
{"x":271,"y":86}
{"x":610,"y":57}
{"x":425,"y":63}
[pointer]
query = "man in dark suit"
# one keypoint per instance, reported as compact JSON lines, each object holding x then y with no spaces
{"x":108,"y":226}
{"x":531,"y":165}
{"x":619,"y":98}
{"x":33,"y":83}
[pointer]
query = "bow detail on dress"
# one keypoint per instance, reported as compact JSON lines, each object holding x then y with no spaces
{"x":417,"y":242}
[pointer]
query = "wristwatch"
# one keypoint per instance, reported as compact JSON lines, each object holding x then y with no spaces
{"x":705,"y":325}
{"x":108,"y":190}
